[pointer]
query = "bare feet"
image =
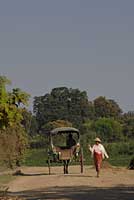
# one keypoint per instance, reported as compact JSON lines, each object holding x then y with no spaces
{"x":98,"y":174}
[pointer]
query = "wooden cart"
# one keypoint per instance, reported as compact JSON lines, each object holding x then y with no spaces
{"x":65,"y":153}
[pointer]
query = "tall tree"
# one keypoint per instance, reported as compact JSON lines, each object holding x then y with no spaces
{"x":29,"y":122}
{"x":12,"y":134}
{"x":106,"y":108}
{"x":63,"y":104}
{"x":3,"y":94}
{"x":128,"y":125}
{"x":20,"y":97}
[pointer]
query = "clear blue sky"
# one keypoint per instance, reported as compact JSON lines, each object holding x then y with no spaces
{"x":85,"y":44}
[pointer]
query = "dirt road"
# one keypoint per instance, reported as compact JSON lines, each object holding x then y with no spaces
{"x":36,"y":184}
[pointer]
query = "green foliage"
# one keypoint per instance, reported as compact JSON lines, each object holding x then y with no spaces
{"x":38,"y":141}
{"x":63,"y":104}
{"x":108,"y":129}
{"x":13,"y":143}
{"x":3,"y":94}
{"x":13,"y":139}
{"x":128,"y":125}
{"x":116,"y":151}
{"x":6,"y":115}
{"x":120,"y":148}
{"x":106,"y":108}
{"x":120,"y":160}
{"x":56,"y":124}
{"x":36,"y":157}
{"x":29,"y":122}
{"x":19,"y":97}
{"x":10,"y":114}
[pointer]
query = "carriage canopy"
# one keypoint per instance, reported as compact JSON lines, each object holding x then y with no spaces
{"x":66,"y":130}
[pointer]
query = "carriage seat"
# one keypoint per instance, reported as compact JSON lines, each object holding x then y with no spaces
{"x":64,"y":152}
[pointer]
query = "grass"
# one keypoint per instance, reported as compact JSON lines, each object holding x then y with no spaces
{"x":120,"y":160}
{"x":35,"y":157}
{"x":38,"y":157}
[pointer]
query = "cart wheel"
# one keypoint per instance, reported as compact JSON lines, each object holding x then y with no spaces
{"x":81,"y":160}
{"x":49,"y":168}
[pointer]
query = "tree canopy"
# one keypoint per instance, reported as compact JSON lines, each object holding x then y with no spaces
{"x":12,"y":135}
{"x":63,"y":104}
{"x":106,"y":108}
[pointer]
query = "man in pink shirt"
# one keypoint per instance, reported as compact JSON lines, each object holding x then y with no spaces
{"x":98,"y":153}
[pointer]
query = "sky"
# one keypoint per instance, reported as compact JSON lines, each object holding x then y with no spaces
{"x":84,"y":44}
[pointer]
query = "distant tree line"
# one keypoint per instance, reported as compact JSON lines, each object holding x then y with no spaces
{"x":102,"y":117}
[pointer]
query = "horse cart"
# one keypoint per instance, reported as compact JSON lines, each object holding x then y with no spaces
{"x":69,"y":151}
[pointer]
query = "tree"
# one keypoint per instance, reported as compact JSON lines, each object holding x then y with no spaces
{"x":106,"y":108}
{"x":128,"y":125}
{"x":13,"y":143}
{"x":108,"y":129}
{"x":19,"y":97}
{"x":12,"y":134}
{"x":56,"y":124}
{"x":5,"y":111}
{"x":63,"y":104}
{"x":29,"y":122}
{"x":3,"y":94}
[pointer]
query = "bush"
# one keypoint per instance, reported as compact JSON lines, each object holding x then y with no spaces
{"x":38,"y":142}
{"x":13,"y":142}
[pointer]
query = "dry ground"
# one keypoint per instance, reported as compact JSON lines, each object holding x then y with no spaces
{"x":36,"y":184}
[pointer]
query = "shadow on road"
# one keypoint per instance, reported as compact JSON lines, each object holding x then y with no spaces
{"x":79,"y":193}
{"x":20,"y":173}
{"x":40,"y":174}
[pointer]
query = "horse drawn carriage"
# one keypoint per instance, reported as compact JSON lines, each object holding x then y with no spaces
{"x":69,"y":151}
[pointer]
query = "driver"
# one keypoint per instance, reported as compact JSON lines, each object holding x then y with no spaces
{"x":70,"y":141}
